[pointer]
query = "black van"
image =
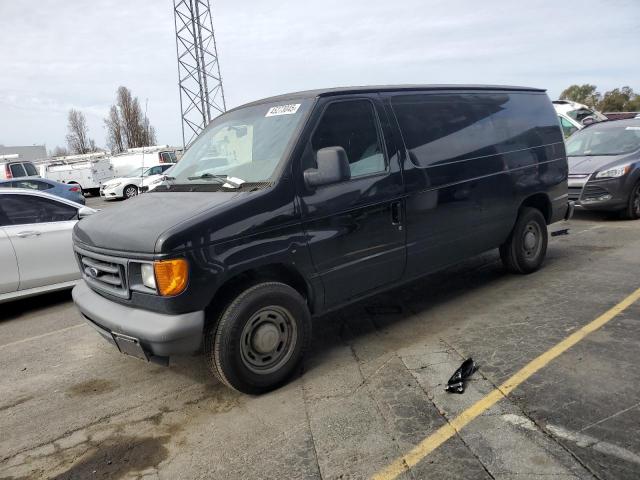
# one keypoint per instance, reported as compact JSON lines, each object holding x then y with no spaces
{"x":288,"y":207}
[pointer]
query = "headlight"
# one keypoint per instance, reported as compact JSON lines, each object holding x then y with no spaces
{"x":112,"y":185}
{"x":614,"y":172}
{"x":148,"y":275}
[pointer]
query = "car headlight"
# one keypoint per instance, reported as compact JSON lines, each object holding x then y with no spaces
{"x":112,"y":185}
{"x":614,"y":172}
{"x":148,"y":275}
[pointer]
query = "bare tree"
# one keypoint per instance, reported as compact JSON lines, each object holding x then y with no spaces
{"x":59,"y":152}
{"x":78,"y":137}
{"x":126,"y":125}
{"x":115,"y":142}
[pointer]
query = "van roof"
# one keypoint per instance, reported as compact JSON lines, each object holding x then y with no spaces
{"x":326,"y":92}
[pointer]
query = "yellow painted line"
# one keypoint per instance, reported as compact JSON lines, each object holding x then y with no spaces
{"x":433,"y":441}
{"x":36,"y":337}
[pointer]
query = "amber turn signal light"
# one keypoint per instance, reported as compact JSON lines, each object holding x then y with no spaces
{"x":171,"y":276}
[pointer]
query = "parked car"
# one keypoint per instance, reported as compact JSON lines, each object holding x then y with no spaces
{"x":149,"y":184}
{"x":36,"y":252}
{"x":604,"y":167}
{"x":128,"y":186}
{"x":68,"y":191}
{"x":574,"y":116}
{"x":322,"y":198}
{"x":11,"y":167}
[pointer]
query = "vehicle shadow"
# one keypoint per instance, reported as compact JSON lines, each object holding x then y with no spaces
{"x":591,"y":216}
{"x":33,"y":305}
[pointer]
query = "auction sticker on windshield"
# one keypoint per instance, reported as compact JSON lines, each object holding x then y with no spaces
{"x":283,"y":110}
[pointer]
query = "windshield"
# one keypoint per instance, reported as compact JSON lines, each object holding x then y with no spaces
{"x":610,"y":140}
{"x":581,"y":113}
{"x":245,"y":145}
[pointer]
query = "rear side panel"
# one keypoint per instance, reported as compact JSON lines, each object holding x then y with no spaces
{"x":471,"y":159}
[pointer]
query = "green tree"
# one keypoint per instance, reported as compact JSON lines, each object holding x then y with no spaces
{"x":586,"y":94}
{"x":620,"y":100}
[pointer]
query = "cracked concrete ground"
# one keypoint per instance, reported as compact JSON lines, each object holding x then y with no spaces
{"x":72,"y":408}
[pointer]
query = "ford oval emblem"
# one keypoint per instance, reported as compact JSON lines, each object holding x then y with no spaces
{"x":92,"y":272}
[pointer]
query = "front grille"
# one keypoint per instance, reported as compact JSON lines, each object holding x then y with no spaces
{"x":592,"y":192}
{"x":104,"y":273}
{"x":574,"y":193}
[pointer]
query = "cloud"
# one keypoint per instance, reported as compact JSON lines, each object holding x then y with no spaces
{"x":74,"y":54}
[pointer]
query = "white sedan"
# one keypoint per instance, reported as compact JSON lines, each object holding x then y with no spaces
{"x":129,"y":186}
{"x":36,"y":251}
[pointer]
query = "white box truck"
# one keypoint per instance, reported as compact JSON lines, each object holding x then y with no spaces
{"x":88,"y":171}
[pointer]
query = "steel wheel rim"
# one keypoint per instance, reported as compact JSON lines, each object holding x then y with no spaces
{"x":130,"y":192}
{"x":268,"y":340}
{"x":531,"y":240}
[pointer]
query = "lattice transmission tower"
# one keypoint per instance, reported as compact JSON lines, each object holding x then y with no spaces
{"x":199,"y":79}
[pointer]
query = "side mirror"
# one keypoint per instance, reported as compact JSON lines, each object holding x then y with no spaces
{"x":588,"y":120}
{"x":333,"y":167}
{"x":84,"y":212}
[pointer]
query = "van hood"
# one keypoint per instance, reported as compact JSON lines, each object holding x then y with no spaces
{"x":591,"y":163}
{"x":136,"y":225}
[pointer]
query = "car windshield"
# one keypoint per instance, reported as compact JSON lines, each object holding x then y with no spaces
{"x":244,"y":145}
{"x":604,"y":140}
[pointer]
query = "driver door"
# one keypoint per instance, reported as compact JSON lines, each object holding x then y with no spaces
{"x":40,"y":232}
{"x":355,"y":229}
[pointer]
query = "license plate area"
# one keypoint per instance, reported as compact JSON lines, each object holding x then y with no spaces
{"x":130,"y":346}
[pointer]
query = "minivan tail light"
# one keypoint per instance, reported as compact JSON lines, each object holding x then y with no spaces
{"x":172,"y":276}
{"x":74,"y":189}
{"x":7,"y":171}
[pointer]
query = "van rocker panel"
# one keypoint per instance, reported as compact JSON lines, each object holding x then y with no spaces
{"x":160,"y":335}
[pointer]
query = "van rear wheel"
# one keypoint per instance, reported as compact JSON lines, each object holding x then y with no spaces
{"x":260,"y":339}
{"x":525,"y":249}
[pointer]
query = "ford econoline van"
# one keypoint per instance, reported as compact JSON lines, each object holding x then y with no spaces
{"x":292,"y":206}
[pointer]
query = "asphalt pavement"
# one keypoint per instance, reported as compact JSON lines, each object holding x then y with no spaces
{"x":372,"y":389}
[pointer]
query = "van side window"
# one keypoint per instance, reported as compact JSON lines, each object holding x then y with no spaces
{"x":439,"y":128}
{"x":352,"y":126}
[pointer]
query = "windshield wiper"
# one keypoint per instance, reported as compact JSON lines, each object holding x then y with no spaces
{"x":219,"y":178}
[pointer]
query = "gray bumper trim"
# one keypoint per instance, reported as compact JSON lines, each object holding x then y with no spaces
{"x":159,"y":334}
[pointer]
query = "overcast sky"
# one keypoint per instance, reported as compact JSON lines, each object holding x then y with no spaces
{"x":57,"y":55}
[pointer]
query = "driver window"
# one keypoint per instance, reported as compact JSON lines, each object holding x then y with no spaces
{"x":567,"y":128}
{"x":352,"y":126}
{"x":29,"y":209}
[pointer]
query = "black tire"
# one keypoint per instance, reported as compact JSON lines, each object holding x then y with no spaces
{"x":232,"y":346}
{"x":632,"y":212}
{"x":129,"y":191}
{"x":525,"y":249}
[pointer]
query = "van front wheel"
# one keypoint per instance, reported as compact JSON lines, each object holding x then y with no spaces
{"x":260,"y":338}
{"x":525,"y":249}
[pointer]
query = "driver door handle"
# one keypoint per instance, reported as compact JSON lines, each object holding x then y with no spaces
{"x":29,"y":233}
{"x":396,"y":214}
